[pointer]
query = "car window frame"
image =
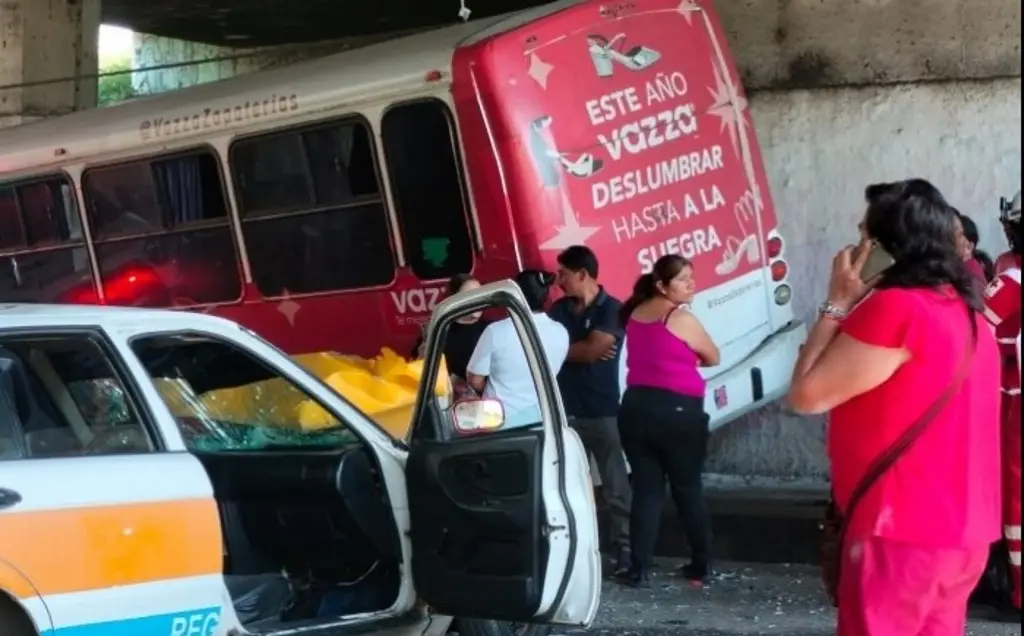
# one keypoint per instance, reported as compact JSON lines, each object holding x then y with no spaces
{"x":123,"y":374}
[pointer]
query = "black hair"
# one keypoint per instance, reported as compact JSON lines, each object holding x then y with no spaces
{"x":456,"y":282}
{"x":970,"y":228}
{"x":988,"y":266}
{"x":535,"y":285}
{"x":912,"y":221}
{"x":972,"y":235}
{"x":646,"y":287}
{"x":579,"y":258}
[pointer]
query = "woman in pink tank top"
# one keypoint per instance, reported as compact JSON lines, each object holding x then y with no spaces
{"x":662,"y":422}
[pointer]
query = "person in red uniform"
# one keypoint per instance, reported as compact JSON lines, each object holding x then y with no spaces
{"x":1004,"y":260}
{"x":1003,"y":310}
{"x":1008,"y":258}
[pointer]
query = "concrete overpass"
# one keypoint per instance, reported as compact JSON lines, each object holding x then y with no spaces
{"x":843,"y":92}
{"x":42,"y":40}
{"x":274,"y":22}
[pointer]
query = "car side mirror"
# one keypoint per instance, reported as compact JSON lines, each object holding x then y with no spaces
{"x":473,"y":416}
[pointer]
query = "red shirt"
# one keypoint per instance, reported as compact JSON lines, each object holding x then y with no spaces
{"x":1003,"y":310}
{"x":1005,"y":260}
{"x":945,"y":491}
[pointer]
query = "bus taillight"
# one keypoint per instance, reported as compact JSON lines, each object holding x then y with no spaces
{"x":779,"y":270}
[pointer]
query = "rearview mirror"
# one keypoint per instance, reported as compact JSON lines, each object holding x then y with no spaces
{"x":478,"y":415}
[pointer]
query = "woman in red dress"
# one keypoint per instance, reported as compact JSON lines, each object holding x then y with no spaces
{"x":883,"y":355}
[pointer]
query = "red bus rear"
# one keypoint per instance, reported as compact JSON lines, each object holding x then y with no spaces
{"x":327,"y":214}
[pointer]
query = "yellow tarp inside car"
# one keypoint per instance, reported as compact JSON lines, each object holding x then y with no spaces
{"x":383,"y":387}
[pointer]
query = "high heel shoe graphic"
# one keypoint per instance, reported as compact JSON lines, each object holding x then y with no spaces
{"x":540,"y":144}
{"x":543,"y":146}
{"x":583,"y":166}
{"x":605,"y":53}
{"x":735,"y":250}
{"x":745,"y":210}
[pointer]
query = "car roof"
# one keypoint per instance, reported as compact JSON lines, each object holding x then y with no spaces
{"x":16,"y":316}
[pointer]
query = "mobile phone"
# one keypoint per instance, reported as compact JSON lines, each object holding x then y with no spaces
{"x":878,"y":261}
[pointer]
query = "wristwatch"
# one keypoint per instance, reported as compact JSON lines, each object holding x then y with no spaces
{"x":832,"y":311}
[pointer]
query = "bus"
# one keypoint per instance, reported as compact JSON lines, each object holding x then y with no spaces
{"x":324,"y":205}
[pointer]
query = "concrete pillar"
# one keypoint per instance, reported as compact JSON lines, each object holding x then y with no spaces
{"x":42,"y":40}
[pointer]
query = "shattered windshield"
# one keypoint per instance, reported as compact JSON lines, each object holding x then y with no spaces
{"x":225,"y":399}
{"x":259,"y":416}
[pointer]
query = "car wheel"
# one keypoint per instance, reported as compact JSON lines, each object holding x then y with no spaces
{"x":13,"y":619}
{"x":475,"y":627}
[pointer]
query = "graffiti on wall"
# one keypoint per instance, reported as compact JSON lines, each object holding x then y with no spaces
{"x":193,"y":63}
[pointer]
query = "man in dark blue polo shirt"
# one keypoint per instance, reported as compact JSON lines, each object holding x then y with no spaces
{"x":589,"y":381}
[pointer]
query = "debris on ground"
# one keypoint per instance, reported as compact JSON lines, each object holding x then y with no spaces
{"x":743,"y":599}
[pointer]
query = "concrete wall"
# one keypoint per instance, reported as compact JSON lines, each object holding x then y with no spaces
{"x":850,"y":92}
{"x":845,"y":93}
{"x":821,"y":148}
{"x":213,"y":63}
{"x":152,"y":52}
{"x":814,"y":43}
{"x":778,"y":44}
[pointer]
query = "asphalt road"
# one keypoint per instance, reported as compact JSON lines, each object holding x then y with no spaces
{"x":749,"y":528}
{"x":746,"y":599}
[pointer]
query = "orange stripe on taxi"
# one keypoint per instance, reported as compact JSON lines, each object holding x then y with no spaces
{"x":77,"y":549}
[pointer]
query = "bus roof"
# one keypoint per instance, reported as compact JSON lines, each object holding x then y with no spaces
{"x":235,"y":105}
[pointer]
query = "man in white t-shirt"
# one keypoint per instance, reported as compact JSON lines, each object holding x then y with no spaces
{"x":498,"y":366}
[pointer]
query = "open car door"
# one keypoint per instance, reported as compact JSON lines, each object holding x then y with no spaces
{"x":502,"y":520}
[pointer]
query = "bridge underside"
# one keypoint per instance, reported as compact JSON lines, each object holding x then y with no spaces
{"x":269,"y":22}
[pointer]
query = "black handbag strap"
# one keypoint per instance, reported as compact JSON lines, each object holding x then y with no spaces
{"x":897,"y":449}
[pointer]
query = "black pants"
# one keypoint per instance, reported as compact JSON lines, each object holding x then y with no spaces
{"x":665,"y":435}
{"x":600,"y":436}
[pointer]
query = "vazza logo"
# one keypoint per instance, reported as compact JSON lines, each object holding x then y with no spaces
{"x":215,"y":118}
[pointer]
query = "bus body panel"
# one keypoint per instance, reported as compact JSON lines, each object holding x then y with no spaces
{"x":626,"y":130}
{"x":620,"y":127}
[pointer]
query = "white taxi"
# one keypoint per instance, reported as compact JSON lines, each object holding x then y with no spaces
{"x":122,"y":516}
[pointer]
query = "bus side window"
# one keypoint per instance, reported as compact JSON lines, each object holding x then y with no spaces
{"x":312,"y":213}
{"x":43,"y":256}
{"x":161,"y":231}
{"x":12,"y":229}
{"x":427,"y":186}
